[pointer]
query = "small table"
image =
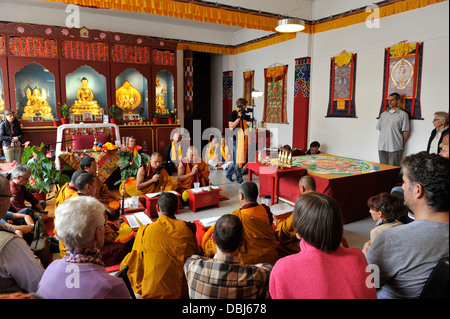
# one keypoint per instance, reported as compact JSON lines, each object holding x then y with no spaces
{"x":205,"y":198}
{"x":275,"y":174}
{"x":150,"y":203}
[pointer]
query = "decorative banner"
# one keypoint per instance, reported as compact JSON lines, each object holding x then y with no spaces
{"x":188,"y":87}
{"x":301,"y":102}
{"x":248,"y":86}
{"x":342,"y":86}
{"x":227,"y":97}
{"x":275,"y":94}
{"x":403,"y":74}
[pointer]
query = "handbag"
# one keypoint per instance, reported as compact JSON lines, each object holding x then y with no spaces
{"x":40,"y":245}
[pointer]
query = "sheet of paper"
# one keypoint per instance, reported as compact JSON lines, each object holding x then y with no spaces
{"x":143,"y":218}
{"x":132,"y":221}
{"x":282,"y":208}
{"x":208,"y":222}
{"x":151,"y":195}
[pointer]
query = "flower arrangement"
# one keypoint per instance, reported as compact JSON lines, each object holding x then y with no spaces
{"x":65,"y":110}
{"x":172,"y":114}
{"x":43,"y":172}
{"x":130,"y":161}
{"x":155,"y":114}
{"x":112,"y":110}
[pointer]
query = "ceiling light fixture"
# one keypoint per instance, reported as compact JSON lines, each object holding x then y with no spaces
{"x":290,"y":25}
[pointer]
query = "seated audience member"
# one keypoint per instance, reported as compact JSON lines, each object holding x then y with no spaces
{"x":260,"y":243}
{"x":152,"y":178}
{"x":173,"y":154}
{"x":385,"y":210}
{"x":80,"y":223}
{"x":211,"y":152}
{"x":167,"y":243}
{"x":192,"y":169}
{"x":444,"y":148}
{"x":216,"y":278}
{"x":104,"y":195}
{"x":440,"y":122}
{"x":19,"y":178}
{"x":406,"y":255}
{"x":313,"y":148}
{"x":409,"y":216}
{"x":225,"y":159}
{"x":285,"y":228}
{"x":22,"y":222}
{"x":112,"y":252}
{"x":19,"y":269}
{"x":131,"y":142}
{"x":323,"y":269}
{"x":69,"y":189}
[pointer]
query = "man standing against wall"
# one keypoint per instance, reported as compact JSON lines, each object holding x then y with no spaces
{"x":394,"y":132}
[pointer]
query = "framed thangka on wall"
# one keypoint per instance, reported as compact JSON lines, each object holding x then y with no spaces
{"x":275,"y":88}
{"x":248,"y":86}
{"x":403,"y":75}
{"x":342,"y":85}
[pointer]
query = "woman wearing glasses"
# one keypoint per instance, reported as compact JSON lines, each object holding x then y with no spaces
{"x":440,"y":122}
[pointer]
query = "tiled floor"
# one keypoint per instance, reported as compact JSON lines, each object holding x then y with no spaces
{"x":356,"y":233}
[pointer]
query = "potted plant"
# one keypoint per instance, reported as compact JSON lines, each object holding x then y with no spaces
{"x":171,"y":117}
{"x":66,"y":111}
{"x":55,"y":122}
{"x":43,"y":172}
{"x":129,"y":163}
{"x":112,"y":111}
{"x":155,"y":117}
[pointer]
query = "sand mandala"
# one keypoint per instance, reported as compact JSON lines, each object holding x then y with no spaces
{"x":334,"y":165}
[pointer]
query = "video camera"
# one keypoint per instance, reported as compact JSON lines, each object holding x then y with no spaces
{"x":240,"y":108}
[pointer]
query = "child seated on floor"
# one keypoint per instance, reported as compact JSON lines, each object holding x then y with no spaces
{"x":385,"y":209}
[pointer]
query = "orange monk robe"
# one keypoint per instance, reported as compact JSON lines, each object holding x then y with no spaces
{"x":65,"y":192}
{"x":260,"y":242}
{"x":286,"y":235}
{"x":164,"y":181}
{"x":103,"y":196}
{"x":202,"y":175}
{"x":157,"y":259}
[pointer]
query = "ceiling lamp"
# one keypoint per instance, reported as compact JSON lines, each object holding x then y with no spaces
{"x":290,"y":25}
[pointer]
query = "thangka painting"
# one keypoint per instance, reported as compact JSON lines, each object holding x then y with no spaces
{"x":188,"y":87}
{"x":342,"y":86}
{"x":227,"y":96}
{"x":275,"y":94}
{"x":248,"y":86}
{"x":402,"y":74}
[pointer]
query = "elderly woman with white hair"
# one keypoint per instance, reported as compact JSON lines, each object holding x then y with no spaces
{"x":80,"y":274}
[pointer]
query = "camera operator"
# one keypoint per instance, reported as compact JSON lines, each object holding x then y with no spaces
{"x":238,"y":120}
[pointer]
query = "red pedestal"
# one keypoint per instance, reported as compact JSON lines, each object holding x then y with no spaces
{"x":150,"y":204}
{"x":203,"y":199}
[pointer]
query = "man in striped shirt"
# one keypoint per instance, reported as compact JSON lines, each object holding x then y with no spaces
{"x":225,"y":276}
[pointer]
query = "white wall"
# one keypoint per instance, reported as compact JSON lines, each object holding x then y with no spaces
{"x":357,"y":137}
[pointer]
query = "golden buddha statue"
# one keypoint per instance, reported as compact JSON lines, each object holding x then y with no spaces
{"x":2,"y":102}
{"x":37,"y":105}
{"x":128,"y":97}
{"x":85,"y":102}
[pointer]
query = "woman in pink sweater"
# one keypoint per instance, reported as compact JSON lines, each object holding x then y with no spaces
{"x":323,"y":269}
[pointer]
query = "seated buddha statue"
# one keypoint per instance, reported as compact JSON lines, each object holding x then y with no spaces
{"x":128,"y":97}
{"x":37,"y":105}
{"x":85,"y":102}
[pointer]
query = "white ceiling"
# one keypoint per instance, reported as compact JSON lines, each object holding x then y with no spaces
{"x":53,"y":13}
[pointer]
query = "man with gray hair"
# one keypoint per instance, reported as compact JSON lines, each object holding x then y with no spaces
{"x":19,"y":269}
{"x":19,"y":178}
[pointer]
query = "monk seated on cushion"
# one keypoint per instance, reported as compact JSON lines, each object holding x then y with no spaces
{"x":159,"y":253}
{"x":152,"y":178}
{"x":284,"y":228}
{"x":260,"y":241}
{"x":112,"y":252}
{"x":191,"y":169}
{"x":69,"y":189}
{"x":104,"y":195}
